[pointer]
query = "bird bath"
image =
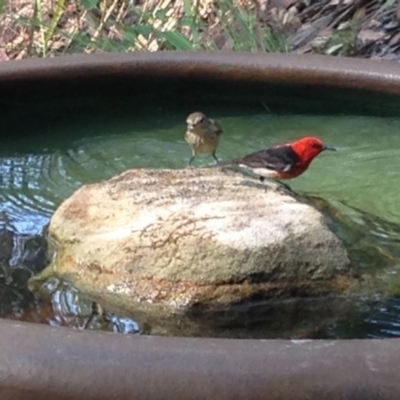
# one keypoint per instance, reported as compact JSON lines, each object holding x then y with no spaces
{"x":82,"y":119}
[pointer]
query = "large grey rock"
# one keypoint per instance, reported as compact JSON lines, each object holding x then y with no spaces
{"x":160,"y":242}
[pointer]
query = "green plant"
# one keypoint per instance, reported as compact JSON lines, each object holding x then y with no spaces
{"x":47,"y":29}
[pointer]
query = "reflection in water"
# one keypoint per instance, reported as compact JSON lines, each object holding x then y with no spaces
{"x":20,"y":257}
{"x":71,"y":308}
{"x":40,"y":167}
{"x":26,"y":191}
{"x":384,"y":320}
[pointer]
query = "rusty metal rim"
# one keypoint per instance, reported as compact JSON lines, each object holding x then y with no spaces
{"x":383,"y":76}
{"x":62,"y":363}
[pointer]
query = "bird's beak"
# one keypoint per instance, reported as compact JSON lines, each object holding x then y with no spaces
{"x":329,"y":148}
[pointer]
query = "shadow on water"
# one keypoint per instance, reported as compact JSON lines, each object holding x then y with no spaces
{"x":49,"y":152}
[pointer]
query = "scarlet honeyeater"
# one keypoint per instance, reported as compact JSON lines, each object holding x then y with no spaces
{"x":202,"y":134}
{"x":283,"y":161}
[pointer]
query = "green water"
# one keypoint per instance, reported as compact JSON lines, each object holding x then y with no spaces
{"x":41,"y":168}
{"x":44,"y":160}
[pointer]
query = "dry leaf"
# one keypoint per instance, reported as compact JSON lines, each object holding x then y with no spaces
{"x":373,"y":23}
{"x":334,"y":48}
{"x":368,"y":36}
{"x":3,"y":55}
{"x":283,"y":3}
{"x":305,"y":49}
{"x":323,"y":36}
{"x":342,"y":2}
{"x":398,"y":12}
{"x":344,"y":25}
{"x":395,"y":40}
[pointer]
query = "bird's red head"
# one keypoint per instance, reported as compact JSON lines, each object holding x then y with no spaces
{"x":307,"y":148}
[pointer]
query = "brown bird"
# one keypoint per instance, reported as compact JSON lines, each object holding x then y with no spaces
{"x":202,"y":134}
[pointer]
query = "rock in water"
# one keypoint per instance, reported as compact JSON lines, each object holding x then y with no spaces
{"x":160,"y":243}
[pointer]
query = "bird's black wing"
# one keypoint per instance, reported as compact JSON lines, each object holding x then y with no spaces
{"x":280,"y":158}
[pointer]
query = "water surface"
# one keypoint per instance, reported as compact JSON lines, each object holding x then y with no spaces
{"x":44,"y":160}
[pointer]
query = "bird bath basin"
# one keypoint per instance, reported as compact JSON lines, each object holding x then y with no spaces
{"x":81,"y":119}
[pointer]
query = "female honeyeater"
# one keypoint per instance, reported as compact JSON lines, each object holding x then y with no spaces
{"x":282,"y":161}
{"x":202,"y":134}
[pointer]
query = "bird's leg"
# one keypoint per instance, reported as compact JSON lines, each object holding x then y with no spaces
{"x":285,"y":187}
{"x":215,"y":157}
{"x":192,"y":158}
{"x":277,"y":185}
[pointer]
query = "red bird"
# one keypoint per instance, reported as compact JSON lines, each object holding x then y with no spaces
{"x":283,"y":161}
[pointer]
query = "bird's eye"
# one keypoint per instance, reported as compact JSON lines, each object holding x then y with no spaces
{"x":316,"y":146}
{"x":201,"y":120}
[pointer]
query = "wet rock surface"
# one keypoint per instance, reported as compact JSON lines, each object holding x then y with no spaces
{"x":186,"y":244}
